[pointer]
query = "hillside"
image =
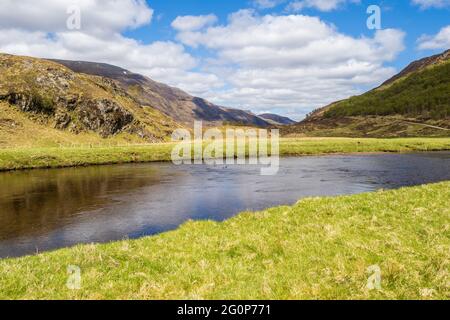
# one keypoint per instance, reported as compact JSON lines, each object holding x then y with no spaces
{"x":275,"y":119}
{"x":413,"y":103}
{"x":39,"y":96}
{"x":420,"y":65}
{"x":173,"y":102}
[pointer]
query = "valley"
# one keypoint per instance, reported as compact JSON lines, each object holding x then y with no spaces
{"x":103,"y":135}
{"x":73,"y":103}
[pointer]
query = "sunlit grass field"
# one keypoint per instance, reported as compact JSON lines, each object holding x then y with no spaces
{"x":91,"y":154}
{"x":320,"y":248}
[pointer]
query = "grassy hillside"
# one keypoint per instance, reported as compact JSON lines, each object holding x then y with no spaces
{"x":320,"y":248}
{"x":414,"y":103}
{"x":40,"y":95}
{"x":424,"y":94}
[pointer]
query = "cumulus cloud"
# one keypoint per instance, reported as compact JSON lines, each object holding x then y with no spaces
{"x":40,"y":29}
{"x":441,"y":40}
{"x":299,"y":5}
{"x":267,"y":4}
{"x":193,"y":23}
{"x":322,"y":5}
{"x":424,"y":4}
{"x":285,"y":63}
{"x":51,"y":15}
{"x":307,"y":67}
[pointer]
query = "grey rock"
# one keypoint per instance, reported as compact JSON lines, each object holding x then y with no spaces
{"x":29,"y":102}
{"x":62,"y":121}
{"x":103,"y":116}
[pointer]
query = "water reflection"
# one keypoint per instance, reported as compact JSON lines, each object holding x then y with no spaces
{"x":47,"y":209}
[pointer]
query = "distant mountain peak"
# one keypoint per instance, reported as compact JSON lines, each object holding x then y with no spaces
{"x":276,"y":119}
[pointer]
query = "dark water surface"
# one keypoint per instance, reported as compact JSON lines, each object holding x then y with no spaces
{"x":48,"y":209}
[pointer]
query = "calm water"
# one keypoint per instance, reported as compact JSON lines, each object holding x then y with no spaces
{"x":48,"y":209}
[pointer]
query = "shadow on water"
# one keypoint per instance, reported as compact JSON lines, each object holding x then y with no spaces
{"x":48,"y":209}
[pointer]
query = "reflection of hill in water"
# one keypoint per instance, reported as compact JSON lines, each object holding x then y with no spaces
{"x":34,"y":200}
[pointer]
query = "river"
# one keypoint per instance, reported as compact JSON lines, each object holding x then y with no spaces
{"x":42,"y":210}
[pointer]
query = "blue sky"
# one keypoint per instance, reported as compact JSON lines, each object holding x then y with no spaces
{"x":282,"y":56}
{"x":350,"y":19}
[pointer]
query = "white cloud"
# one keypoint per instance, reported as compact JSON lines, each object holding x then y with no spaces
{"x":290,"y":64}
{"x":267,"y":4}
{"x":441,"y":40}
{"x":97,"y":15}
{"x":424,"y":4}
{"x":193,"y":23}
{"x":293,"y":62}
{"x":322,"y":5}
{"x":39,"y":29}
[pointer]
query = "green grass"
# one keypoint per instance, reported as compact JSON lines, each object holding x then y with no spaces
{"x":52,"y":157}
{"x":320,"y":248}
{"x":31,"y":158}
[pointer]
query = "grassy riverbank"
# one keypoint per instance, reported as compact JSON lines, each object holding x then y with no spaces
{"x":51,"y":157}
{"x":320,"y":248}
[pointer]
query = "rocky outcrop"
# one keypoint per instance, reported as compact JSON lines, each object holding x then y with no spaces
{"x":62,"y":120}
{"x":30,"y":102}
{"x":69,"y":102}
{"x":103,"y":116}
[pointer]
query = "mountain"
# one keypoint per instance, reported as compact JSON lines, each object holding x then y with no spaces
{"x":415,"y":102}
{"x":173,"y":102}
{"x":275,"y":119}
{"x":67,"y":102}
